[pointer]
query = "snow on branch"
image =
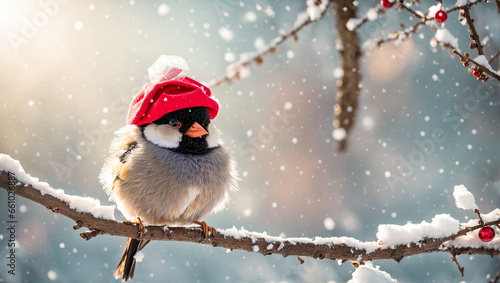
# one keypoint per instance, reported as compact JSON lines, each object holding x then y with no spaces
{"x":348,"y":26}
{"x":442,"y":234}
{"x":443,"y":37}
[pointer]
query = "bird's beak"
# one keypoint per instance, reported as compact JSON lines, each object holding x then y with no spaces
{"x":196,"y":130}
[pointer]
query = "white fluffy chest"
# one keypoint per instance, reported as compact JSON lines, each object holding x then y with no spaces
{"x":183,"y":205}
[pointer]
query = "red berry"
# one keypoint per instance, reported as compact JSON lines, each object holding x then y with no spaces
{"x":486,"y":234}
{"x":440,"y":16}
{"x":476,"y":73}
{"x":386,"y":3}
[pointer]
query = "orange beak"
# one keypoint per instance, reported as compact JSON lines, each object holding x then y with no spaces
{"x":196,"y":130}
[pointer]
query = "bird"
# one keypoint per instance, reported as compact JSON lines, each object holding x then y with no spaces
{"x":168,"y":166}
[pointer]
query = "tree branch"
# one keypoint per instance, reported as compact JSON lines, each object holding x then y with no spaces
{"x":494,"y":57}
{"x":234,"y":70}
{"x":346,"y":110}
{"x":335,"y":248}
{"x":473,"y":33}
{"x":484,"y":69}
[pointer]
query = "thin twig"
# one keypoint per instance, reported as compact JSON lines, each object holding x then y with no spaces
{"x":256,"y":58}
{"x":476,"y":211}
{"x":494,"y":56}
{"x":426,"y":20}
{"x":461,"y":269}
{"x":365,"y":20}
{"x":496,"y":279}
{"x":473,"y":32}
{"x":483,"y":68}
{"x":411,"y":11}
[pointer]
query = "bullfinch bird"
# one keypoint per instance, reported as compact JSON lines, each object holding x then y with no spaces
{"x":168,"y":166}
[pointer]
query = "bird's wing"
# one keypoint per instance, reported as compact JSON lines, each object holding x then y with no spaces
{"x":119,"y":170}
{"x":115,"y":168}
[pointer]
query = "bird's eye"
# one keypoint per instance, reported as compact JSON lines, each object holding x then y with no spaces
{"x":175,"y":123}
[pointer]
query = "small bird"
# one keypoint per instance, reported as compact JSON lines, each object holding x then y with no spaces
{"x":168,"y":166}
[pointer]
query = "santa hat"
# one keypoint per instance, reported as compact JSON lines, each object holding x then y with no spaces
{"x":169,"y":91}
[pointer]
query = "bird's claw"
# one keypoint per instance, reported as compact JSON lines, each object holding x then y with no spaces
{"x":206,"y":229}
{"x":141,"y":227}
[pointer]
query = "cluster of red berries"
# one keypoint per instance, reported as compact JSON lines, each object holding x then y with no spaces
{"x":440,"y":15}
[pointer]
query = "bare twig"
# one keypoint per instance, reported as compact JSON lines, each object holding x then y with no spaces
{"x":483,"y":68}
{"x":364,"y":20}
{"x":476,"y":211}
{"x":474,"y":36}
{"x":395,"y":35}
{"x":460,"y":269}
{"x":494,"y":57}
{"x":403,"y":6}
{"x":321,"y":248}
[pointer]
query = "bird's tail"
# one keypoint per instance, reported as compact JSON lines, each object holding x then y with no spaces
{"x":126,"y":266}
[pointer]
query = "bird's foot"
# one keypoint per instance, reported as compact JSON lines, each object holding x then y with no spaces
{"x":141,"y":229}
{"x":206,"y":228}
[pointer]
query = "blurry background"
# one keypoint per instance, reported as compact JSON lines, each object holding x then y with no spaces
{"x":69,"y":69}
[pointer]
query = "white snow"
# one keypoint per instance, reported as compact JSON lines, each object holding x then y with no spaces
{"x":338,"y":73}
{"x":250,"y":16}
{"x":433,"y":9}
{"x":471,"y":239}
{"x":163,"y":9}
{"x":301,"y":19}
{"x":351,"y":242}
{"x":353,"y":23}
{"x":259,"y":44}
{"x":329,"y":223}
{"x":444,"y":36}
{"x":81,"y":204}
{"x":139,"y":256}
{"x":367,"y":273}
{"x":372,"y":14}
{"x":314,"y":11}
{"x":463,"y":198}
{"x":339,"y":134}
{"x":229,"y":56}
{"x":442,"y":225}
{"x":226,"y":34}
{"x":78,"y":26}
{"x":460,"y":3}
{"x":481,"y":59}
{"x":52,"y":275}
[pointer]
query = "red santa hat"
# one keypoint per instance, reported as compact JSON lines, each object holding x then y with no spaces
{"x":171,"y":92}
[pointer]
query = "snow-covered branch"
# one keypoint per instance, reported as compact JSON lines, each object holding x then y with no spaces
{"x":442,"y":234}
{"x":239,"y":69}
{"x":481,"y":67}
